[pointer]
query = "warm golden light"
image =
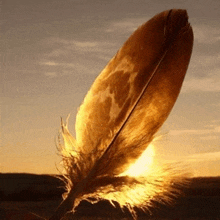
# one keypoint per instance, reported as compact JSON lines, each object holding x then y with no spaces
{"x":155,"y":183}
{"x":69,"y":141}
{"x":143,"y":164}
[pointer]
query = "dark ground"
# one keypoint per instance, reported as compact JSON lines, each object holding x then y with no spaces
{"x":26,"y":196}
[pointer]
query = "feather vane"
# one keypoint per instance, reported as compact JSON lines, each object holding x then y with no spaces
{"x":126,"y":105}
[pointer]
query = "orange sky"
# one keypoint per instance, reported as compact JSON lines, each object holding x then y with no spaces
{"x":53,"y":51}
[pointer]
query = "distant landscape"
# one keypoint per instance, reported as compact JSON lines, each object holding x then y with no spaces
{"x":27,"y":196}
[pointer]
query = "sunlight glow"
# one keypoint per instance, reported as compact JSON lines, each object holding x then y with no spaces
{"x":143,"y":164}
{"x":155,"y":183}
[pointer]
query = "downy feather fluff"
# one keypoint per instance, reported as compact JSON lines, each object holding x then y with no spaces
{"x":126,"y":105}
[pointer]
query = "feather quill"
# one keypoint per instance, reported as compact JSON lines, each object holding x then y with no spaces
{"x":126,"y":105}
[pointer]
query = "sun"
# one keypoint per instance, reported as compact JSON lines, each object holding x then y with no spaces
{"x":142,"y":164}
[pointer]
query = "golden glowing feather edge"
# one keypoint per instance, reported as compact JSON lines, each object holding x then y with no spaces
{"x":126,"y":105}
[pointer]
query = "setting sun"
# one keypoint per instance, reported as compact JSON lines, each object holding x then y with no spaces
{"x":143,"y":164}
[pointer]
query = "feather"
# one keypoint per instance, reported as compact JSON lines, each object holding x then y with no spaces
{"x":126,"y":105}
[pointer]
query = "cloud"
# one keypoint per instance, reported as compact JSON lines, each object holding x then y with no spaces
{"x":64,"y":56}
{"x":208,"y":156}
{"x":79,"y":45}
{"x":206,"y":33}
{"x":50,"y":74}
{"x":216,"y":104}
{"x":53,"y":63}
{"x":213,"y":130}
{"x":66,"y":69}
{"x":85,"y":44}
{"x":217,"y":129}
{"x":210,"y":137}
{"x":58,"y":49}
{"x":206,"y":84}
{"x":206,"y":60}
{"x":203,"y":74}
{"x":126,"y":25}
{"x":204,"y":66}
{"x":59,"y":45}
{"x":49,"y":63}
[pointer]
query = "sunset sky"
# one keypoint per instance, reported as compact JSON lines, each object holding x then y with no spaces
{"x":53,"y":50}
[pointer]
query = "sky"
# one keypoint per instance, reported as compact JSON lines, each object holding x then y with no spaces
{"x":53,"y":50}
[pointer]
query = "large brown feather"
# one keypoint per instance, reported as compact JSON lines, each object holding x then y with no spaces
{"x":126,"y":105}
